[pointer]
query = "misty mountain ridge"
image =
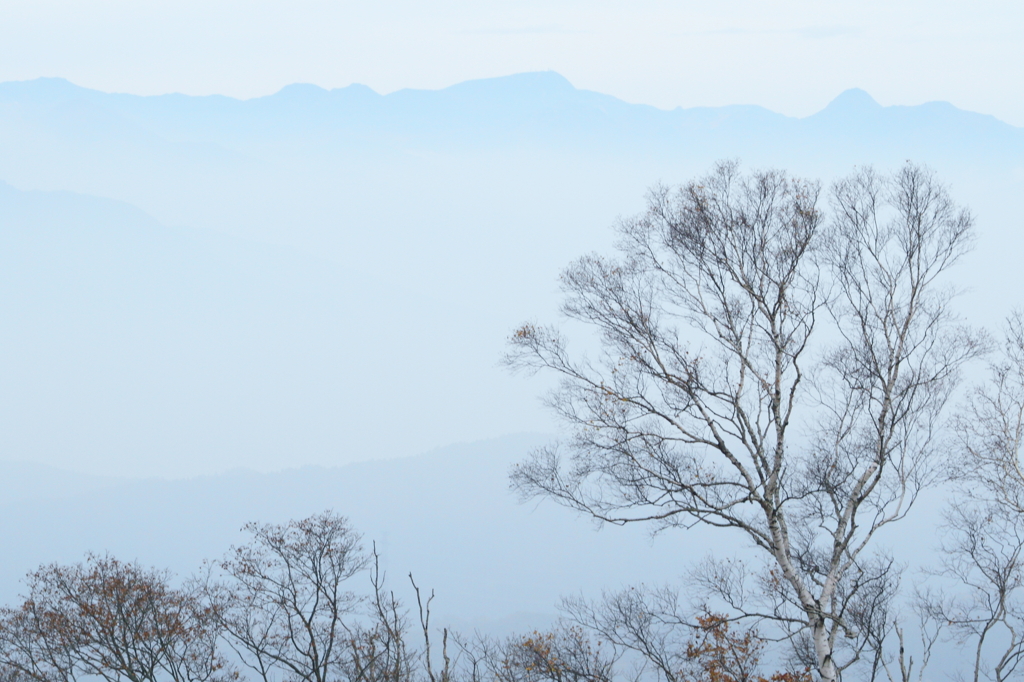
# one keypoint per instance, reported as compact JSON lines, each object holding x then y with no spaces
{"x":261,"y":277}
{"x":228,"y":164}
{"x":523,"y":107}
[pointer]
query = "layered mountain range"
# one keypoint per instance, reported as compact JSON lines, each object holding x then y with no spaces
{"x":193,"y":284}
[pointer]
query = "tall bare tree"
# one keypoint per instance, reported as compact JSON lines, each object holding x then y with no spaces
{"x":769,"y":369}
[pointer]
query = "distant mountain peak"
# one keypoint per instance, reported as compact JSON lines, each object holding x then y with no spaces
{"x":356,"y":88}
{"x":51,"y":82}
{"x":300,"y":91}
{"x":852,"y":101}
{"x":531,"y":81}
{"x":545,"y":78}
{"x":45,"y":88}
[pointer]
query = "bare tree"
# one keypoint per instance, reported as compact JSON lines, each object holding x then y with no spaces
{"x":764,"y":369}
{"x":279,"y":602}
{"x":718,"y":654}
{"x":888,"y":653}
{"x":982,"y":554}
{"x":444,"y":674}
{"x":378,"y":650}
{"x":649,"y":622}
{"x":982,"y":549}
{"x":991,"y":428}
{"x":283,"y":606}
{"x":671,"y":644}
{"x":597,"y":641}
{"x":108,"y":619}
{"x":564,"y":654}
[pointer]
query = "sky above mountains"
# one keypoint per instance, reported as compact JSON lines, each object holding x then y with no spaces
{"x":791,"y":56}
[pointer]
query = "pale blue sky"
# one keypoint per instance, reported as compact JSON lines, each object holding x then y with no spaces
{"x":791,"y":56}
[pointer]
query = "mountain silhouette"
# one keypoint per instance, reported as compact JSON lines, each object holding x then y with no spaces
{"x":317,"y":252}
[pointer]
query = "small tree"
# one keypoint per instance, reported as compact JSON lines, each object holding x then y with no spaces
{"x":651,"y":624}
{"x":564,"y":654}
{"x":283,"y":606}
{"x":108,"y":619}
{"x":769,"y":369}
{"x":710,"y":651}
{"x":718,"y":654}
